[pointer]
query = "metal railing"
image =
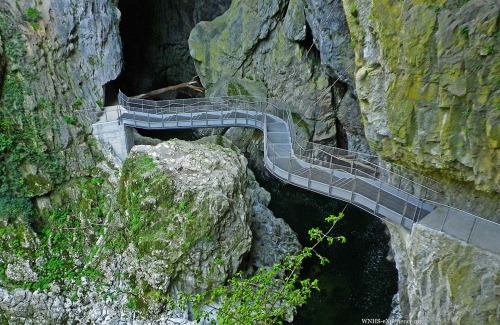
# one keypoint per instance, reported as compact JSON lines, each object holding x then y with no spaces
{"x":347,"y":175}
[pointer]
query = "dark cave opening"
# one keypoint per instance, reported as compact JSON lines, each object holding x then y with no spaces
{"x":154,"y":37}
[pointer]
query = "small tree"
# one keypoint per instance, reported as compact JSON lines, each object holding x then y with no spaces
{"x":267,"y":297}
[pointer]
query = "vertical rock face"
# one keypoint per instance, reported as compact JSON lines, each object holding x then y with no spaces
{"x":58,"y":54}
{"x":182,"y":217}
{"x":444,"y":281}
{"x":294,"y":50}
{"x":331,"y":34}
{"x":427,"y":80}
{"x":155,"y":37}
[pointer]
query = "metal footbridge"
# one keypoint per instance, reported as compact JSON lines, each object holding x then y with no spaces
{"x":350,"y":176}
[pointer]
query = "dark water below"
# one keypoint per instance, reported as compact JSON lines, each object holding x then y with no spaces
{"x":358,"y":282}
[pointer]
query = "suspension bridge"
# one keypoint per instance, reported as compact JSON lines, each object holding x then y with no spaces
{"x":350,"y":176}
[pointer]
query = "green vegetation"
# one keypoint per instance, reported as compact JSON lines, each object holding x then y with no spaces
{"x":465,"y":31}
{"x":461,"y":3}
{"x":490,"y":49}
{"x":23,"y":140}
{"x":33,"y":16}
{"x":268,"y":296}
{"x":70,"y":119}
{"x":77,"y":103}
{"x":234,"y":89}
{"x":61,"y":238}
{"x":353,"y":10}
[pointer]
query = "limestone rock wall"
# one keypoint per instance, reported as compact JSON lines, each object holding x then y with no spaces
{"x":283,"y":47}
{"x":57,"y":55}
{"x":445,"y":281}
{"x":427,"y":82}
{"x":181,"y":217}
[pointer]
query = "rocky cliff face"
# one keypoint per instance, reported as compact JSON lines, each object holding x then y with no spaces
{"x":182,"y":217}
{"x":57,"y":55}
{"x":267,"y":49}
{"x":427,"y":82}
{"x":425,"y":77}
{"x":444,"y":281}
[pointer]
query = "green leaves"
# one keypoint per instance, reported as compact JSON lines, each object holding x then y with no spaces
{"x":267,"y":297}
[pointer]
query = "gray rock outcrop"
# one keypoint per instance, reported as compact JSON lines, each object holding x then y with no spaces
{"x":445,"y":281}
{"x":185,"y":216}
{"x":426,"y":79}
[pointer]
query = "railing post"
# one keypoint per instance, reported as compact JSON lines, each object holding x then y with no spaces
{"x":135,"y":121}
{"x":309,"y":179}
{"x":378,"y":198}
{"x":274,"y":160}
{"x":417,"y":208}
{"x":404,"y":209}
{"x":290,"y":167}
{"x":353,"y":186}
{"x":246,"y":115}
{"x":444,"y":220}
{"x":331,"y":183}
{"x":265,"y":134}
{"x":472,"y":230}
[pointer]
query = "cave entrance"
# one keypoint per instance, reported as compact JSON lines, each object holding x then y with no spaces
{"x":154,"y":37}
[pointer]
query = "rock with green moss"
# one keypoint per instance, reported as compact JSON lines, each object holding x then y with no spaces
{"x":187,"y":211}
{"x":427,"y":80}
{"x":265,"y":47}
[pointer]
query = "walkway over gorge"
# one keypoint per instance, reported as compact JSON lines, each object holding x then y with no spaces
{"x":346,"y":175}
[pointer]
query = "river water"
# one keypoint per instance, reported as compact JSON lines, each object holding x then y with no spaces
{"x":359,"y":282}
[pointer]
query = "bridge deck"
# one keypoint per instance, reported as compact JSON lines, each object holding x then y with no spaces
{"x":342,"y":176}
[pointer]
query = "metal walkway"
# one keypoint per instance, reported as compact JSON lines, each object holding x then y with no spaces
{"x":353,"y":177}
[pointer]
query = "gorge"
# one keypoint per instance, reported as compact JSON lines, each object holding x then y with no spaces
{"x":414,"y":82}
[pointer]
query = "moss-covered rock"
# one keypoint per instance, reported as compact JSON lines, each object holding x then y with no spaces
{"x":266,"y":48}
{"x":187,"y":212}
{"x":428,"y":86}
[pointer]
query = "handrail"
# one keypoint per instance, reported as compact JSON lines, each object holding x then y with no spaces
{"x":155,"y":105}
{"x":340,"y":173}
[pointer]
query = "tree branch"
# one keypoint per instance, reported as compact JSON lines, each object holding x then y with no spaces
{"x":190,"y":85}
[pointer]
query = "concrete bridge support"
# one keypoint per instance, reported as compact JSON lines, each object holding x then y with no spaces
{"x":119,"y":137}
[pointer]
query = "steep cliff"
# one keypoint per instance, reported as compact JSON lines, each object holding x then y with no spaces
{"x":445,"y":281}
{"x":425,"y":76}
{"x":427,"y":82}
{"x":58,"y":55}
{"x":267,"y":48}
{"x":181,"y":217}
